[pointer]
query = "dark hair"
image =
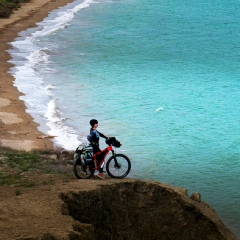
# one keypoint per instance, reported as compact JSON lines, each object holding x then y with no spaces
{"x":93,"y":122}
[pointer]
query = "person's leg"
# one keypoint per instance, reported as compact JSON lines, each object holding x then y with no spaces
{"x":98,"y":157}
{"x":96,"y":150}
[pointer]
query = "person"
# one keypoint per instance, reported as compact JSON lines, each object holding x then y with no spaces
{"x":93,"y":138}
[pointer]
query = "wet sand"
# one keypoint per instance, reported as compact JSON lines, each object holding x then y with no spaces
{"x":17,"y":128}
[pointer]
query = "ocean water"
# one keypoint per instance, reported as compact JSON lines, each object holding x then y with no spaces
{"x":161,"y":76}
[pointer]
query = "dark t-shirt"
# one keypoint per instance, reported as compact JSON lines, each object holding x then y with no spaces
{"x":94,"y":136}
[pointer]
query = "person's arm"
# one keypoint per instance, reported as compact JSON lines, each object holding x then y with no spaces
{"x":102,"y":135}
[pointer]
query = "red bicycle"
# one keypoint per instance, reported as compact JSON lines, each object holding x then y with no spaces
{"x":85,"y":163}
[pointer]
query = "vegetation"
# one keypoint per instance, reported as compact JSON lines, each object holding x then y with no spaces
{"x":20,"y":168}
{"x":8,"y":6}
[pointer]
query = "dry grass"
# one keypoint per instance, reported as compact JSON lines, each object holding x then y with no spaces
{"x":18,"y":168}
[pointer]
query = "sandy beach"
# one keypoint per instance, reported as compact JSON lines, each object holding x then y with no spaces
{"x":17,"y":128}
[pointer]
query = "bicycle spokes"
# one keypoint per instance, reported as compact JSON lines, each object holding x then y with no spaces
{"x":118,"y":166}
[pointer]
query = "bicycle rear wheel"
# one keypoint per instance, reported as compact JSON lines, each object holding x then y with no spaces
{"x":118,"y":166}
{"x":82,"y":171}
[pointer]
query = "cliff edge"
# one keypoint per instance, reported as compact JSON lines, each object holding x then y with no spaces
{"x":106,"y":209}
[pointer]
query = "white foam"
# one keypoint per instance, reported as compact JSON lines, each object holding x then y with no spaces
{"x":29,"y":58}
{"x":62,"y":20}
{"x":52,"y":112}
{"x":38,"y":57}
{"x":49,"y":87}
{"x":66,"y":136}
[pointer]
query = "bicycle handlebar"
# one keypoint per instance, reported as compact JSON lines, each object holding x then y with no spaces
{"x":113,"y":141}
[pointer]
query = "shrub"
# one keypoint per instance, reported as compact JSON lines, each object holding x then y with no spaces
{"x":8,"y":6}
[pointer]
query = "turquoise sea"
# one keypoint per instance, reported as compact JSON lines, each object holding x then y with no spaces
{"x":161,"y":76}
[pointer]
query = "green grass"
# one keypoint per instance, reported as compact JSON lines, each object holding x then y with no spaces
{"x":18,"y":167}
{"x":7,"y":7}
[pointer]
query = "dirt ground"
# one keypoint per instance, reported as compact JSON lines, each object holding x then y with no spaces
{"x":39,"y":213}
{"x":34,"y":212}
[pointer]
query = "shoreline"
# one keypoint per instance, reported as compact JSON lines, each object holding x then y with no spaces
{"x":17,"y":128}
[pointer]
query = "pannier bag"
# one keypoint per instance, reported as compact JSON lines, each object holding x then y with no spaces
{"x":84,"y":153}
{"x":87,"y":155}
{"x":78,"y":152}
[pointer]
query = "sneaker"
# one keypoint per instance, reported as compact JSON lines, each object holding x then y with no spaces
{"x":101,"y":175}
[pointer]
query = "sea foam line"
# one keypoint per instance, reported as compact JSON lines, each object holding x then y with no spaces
{"x":62,"y":20}
{"x":29,"y":57}
{"x":65,"y":135}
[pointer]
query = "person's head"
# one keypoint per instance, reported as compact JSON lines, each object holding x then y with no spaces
{"x":93,"y":123}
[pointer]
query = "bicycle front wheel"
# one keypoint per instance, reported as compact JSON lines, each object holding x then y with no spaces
{"x":82,"y":171}
{"x":118,"y":166}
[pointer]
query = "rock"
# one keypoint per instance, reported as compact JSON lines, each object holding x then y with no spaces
{"x":196,"y":197}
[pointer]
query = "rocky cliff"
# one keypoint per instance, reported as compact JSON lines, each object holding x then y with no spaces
{"x":133,"y":209}
{"x":106,"y":209}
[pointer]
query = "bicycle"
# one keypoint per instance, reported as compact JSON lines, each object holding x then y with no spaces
{"x":117,"y":166}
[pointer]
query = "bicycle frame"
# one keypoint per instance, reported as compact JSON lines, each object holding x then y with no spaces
{"x":105,"y":151}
